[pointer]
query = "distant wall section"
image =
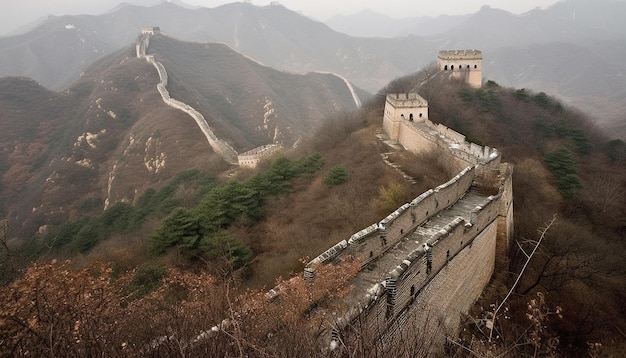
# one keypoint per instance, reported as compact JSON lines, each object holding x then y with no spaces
{"x":221,"y":147}
{"x":251,"y":158}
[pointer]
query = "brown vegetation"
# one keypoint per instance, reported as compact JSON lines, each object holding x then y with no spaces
{"x":56,"y":311}
{"x":313,"y":217}
{"x":568,"y":300}
{"x":578,"y":267}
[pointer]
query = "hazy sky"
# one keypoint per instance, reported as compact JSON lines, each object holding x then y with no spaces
{"x":15,"y":13}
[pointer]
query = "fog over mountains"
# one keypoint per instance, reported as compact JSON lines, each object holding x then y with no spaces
{"x":572,"y":49}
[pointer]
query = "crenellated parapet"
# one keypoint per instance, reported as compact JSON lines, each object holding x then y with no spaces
{"x":430,"y":259}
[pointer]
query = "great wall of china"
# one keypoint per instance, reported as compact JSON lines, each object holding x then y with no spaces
{"x":219,"y":146}
{"x":426,"y":263}
{"x":248,"y":159}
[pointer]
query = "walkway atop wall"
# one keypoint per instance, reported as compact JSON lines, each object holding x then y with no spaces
{"x":376,"y":271}
{"x":429,"y":132}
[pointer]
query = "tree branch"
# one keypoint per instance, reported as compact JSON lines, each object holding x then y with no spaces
{"x":532,"y":253}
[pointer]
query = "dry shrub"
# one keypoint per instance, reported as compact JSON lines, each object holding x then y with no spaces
{"x":428,"y":168}
{"x":56,"y":311}
{"x":525,"y":331}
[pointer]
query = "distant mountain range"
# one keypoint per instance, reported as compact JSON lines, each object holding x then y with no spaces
{"x":571,"y":49}
{"x":109,"y":136}
{"x":368,"y":23}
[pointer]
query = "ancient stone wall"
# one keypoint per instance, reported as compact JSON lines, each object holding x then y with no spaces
{"x":429,"y":298}
{"x":372,"y":242}
{"x":219,"y":146}
{"x":251,"y":158}
{"x":434,"y":312}
{"x":431,"y":285}
{"x":405,"y":120}
{"x":505,"y":217}
{"x":414,"y":139}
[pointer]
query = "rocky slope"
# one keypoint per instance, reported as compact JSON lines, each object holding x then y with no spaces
{"x":110,"y":136}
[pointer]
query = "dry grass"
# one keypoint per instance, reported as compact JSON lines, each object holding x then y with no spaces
{"x":313,"y":217}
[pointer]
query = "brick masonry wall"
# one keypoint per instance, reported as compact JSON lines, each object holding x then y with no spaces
{"x":438,"y":307}
{"x":367,"y":247}
{"x":396,"y":295}
{"x":425,"y":315}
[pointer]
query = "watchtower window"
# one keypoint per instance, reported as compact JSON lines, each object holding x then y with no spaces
{"x":452,"y":67}
{"x":445,"y":68}
{"x":411,"y":117}
{"x":468,"y":67}
{"x":420,"y":115}
{"x":475,"y":66}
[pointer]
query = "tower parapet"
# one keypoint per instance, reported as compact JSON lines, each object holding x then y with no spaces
{"x":401,"y":107}
{"x":463,"y":64}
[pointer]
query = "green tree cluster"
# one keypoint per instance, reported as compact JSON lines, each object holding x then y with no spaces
{"x":486,"y":99}
{"x":336,"y":175}
{"x":563,"y":129}
{"x":83,"y":234}
{"x":202,"y":231}
{"x":563,"y":168}
{"x":145,"y":279}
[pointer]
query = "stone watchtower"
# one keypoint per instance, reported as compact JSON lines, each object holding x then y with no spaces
{"x":151,"y":30}
{"x":463,"y":64}
{"x":401,"y":107}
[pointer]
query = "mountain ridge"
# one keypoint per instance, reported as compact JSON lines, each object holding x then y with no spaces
{"x":283,"y":39}
{"x":113,"y":137}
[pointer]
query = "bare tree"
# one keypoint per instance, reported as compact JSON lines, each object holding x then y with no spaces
{"x":529,"y":256}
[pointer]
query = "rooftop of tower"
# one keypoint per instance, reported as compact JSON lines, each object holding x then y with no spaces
{"x":461,"y":55}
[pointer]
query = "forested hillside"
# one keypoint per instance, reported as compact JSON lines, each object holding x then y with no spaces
{"x":110,"y":136}
{"x":568,"y":171}
{"x":197,"y":242}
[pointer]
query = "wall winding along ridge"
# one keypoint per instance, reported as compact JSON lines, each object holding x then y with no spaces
{"x":248,"y":159}
{"x":219,"y":146}
{"x":427,"y":262}
{"x":424,"y":264}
